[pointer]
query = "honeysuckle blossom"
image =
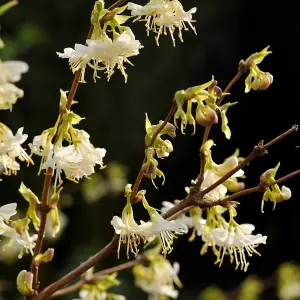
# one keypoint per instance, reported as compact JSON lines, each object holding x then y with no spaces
{"x":236,"y":241}
{"x":128,"y":230}
{"x":6,"y":211}
{"x":76,"y":160}
{"x":159,"y":227}
{"x":161,"y":15}
{"x":75,"y":165}
{"x":18,"y":233}
{"x":103,"y":54}
{"x":10,"y":72}
{"x":158,"y":278}
{"x":10,"y":149}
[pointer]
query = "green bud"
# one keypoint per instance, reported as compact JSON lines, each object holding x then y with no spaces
{"x":33,"y":200}
{"x":55,"y":221}
{"x":269,"y":176}
{"x":169,"y":129}
{"x":24,"y":283}
{"x":180,"y":97}
{"x":128,"y":190}
{"x":206,"y":116}
{"x":45,"y":257}
{"x":55,"y":197}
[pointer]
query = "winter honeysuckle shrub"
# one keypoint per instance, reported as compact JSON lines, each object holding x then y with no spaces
{"x":210,"y":209}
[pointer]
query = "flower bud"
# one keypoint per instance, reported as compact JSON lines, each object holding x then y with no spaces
{"x":169,"y":129}
{"x":262,"y":82}
{"x":206,"y":116}
{"x":285,"y":194}
{"x":269,"y":176}
{"x":149,"y":168}
{"x":233,"y":185}
{"x":24,"y":283}
{"x":45,"y":257}
{"x":55,"y":221}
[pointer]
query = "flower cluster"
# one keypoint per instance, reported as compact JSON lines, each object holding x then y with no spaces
{"x":257,"y":79}
{"x":156,"y":145}
{"x":11,"y":149}
{"x":103,"y":54}
{"x":131,"y":233}
{"x":77,"y":160}
{"x":10,"y":72}
{"x":162,"y":16}
{"x":206,"y":113}
{"x":159,"y":277}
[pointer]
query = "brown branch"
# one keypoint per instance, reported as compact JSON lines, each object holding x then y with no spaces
{"x":51,"y":289}
{"x":76,"y":286}
{"x":160,"y":128}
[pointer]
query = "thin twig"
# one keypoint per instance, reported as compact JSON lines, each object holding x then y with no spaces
{"x":51,"y":289}
{"x":76,"y":286}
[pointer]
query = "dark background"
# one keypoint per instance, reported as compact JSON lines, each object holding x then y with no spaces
{"x":227,"y":32}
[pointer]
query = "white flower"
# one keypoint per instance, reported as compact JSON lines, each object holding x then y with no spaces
{"x":104,"y":54}
{"x":128,"y":230}
{"x":161,"y":15}
{"x":10,"y":72}
{"x":235,"y":241}
{"x":77,"y":161}
{"x":7,"y":211}
{"x":10,"y":149}
{"x":22,"y":238}
{"x":9,"y":94}
{"x":159,"y":227}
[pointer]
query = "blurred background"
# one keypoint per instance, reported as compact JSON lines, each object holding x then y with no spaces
{"x":228,"y":31}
